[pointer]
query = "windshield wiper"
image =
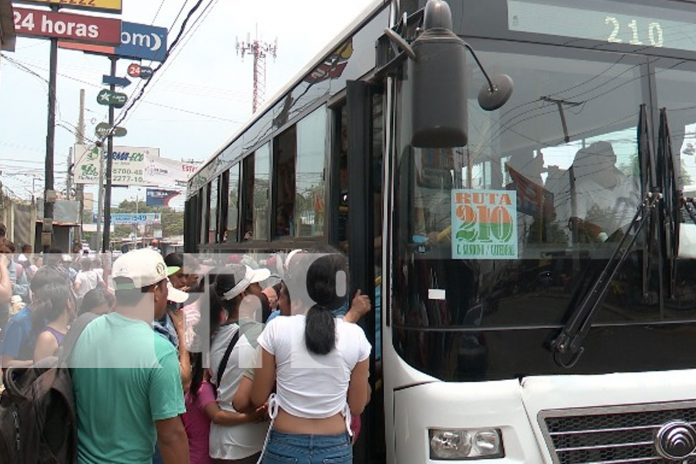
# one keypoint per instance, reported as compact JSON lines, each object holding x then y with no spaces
{"x":669,"y":214}
{"x":569,"y":342}
{"x":567,"y":345}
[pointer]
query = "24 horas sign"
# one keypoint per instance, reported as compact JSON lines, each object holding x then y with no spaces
{"x":484,"y":224}
{"x":66,"y":26}
{"x":108,"y":6}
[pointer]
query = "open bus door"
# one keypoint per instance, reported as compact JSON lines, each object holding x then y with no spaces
{"x":364,"y":133}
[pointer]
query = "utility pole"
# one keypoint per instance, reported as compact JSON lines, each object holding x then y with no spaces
{"x":80,"y":140}
{"x":100,"y":197}
{"x":109,"y":165}
{"x":561,"y":111}
{"x":260,"y":50}
{"x":68,"y":194}
{"x":68,"y":180}
{"x":49,"y":193}
{"x":135,"y":225}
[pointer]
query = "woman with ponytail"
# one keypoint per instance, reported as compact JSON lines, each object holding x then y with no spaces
{"x":53,"y":310}
{"x":319,"y":365}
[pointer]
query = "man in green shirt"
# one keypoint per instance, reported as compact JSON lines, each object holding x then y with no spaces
{"x":126,"y":378}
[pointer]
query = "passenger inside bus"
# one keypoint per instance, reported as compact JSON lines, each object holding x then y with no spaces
{"x":535,"y":198}
{"x":527,"y":165}
{"x":435,"y":177}
{"x":603,"y":199}
{"x":593,"y":206}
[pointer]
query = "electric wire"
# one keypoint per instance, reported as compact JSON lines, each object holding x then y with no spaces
{"x":169,"y":60}
{"x":132,"y":103}
{"x":159,"y":8}
{"x":172,"y":47}
{"x":91,"y":84}
{"x":139,"y":84}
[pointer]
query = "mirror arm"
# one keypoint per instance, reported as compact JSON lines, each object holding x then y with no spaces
{"x":401,"y":43}
{"x":491,"y":87}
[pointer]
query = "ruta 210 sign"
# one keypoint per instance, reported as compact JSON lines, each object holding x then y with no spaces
{"x":484,"y":224}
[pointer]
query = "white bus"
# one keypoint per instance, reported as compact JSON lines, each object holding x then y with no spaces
{"x":533,"y":303}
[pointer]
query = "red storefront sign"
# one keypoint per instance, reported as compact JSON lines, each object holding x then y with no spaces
{"x":67,"y":26}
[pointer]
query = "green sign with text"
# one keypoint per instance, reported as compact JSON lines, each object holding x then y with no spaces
{"x":108,"y":98}
{"x":103,"y":128}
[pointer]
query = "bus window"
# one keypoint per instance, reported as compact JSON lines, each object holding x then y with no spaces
{"x":284,"y":195}
{"x":310,"y":190}
{"x":230,"y":234}
{"x":191,"y":223}
{"x":205,"y":212}
{"x":248,"y":197}
{"x":213,"y":218}
{"x":262,"y":161}
{"x":342,"y":184}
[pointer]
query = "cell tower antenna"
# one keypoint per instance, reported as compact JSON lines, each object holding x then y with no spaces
{"x":260,"y":50}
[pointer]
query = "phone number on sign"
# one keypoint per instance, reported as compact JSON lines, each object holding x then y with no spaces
{"x":127,"y":180}
{"x":127,"y":172}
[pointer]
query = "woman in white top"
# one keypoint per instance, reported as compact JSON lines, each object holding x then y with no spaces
{"x":87,"y":279}
{"x":320,"y":367}
{"x":240,"y":443}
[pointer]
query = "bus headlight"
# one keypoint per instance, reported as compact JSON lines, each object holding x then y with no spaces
{"x":451,"y":444}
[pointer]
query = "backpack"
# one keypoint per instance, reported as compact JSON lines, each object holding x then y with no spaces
{"x":38,"y":422}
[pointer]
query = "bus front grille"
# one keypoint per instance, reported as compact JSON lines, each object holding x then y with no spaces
{"x":611,"y":435}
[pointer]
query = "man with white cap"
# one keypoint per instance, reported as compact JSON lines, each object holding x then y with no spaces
{"x":172,"y":326}
{"x":126,"y":378}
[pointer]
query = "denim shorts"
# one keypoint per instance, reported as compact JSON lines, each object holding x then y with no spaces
{"x":287,"y":448}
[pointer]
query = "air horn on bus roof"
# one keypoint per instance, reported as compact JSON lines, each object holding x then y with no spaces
{"x":437,"y":76}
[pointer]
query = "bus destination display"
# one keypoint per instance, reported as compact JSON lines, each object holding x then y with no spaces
{"x":641,"y":26}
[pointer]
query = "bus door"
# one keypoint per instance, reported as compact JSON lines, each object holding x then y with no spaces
{"x":359,"y":194}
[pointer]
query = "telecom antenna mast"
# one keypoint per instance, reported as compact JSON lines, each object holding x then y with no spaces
{"x":260,"y":50}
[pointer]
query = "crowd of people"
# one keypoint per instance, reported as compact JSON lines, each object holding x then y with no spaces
{"x":191,"y":362}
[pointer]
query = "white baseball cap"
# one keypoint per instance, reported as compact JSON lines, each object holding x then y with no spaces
{"x":251,"y":276}
{"x":145,"y":267}
{"x":176,"y":295}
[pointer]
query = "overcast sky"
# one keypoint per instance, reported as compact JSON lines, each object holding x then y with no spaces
{"x":198,"y":101}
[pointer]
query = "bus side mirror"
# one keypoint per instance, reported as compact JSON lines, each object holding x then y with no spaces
{"x":437,"y":68}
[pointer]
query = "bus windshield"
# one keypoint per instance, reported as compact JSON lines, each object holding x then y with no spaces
{"x":509,"y":231}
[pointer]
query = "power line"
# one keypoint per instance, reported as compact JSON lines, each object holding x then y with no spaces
{"x":180,"y":85}
{"x":186,"y":37}
{"x":24,"y":68}
{"x":181,"y":10}
{"x":159,"y":8}
{"x":191,"y":112}
{"x":125,"y":112}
